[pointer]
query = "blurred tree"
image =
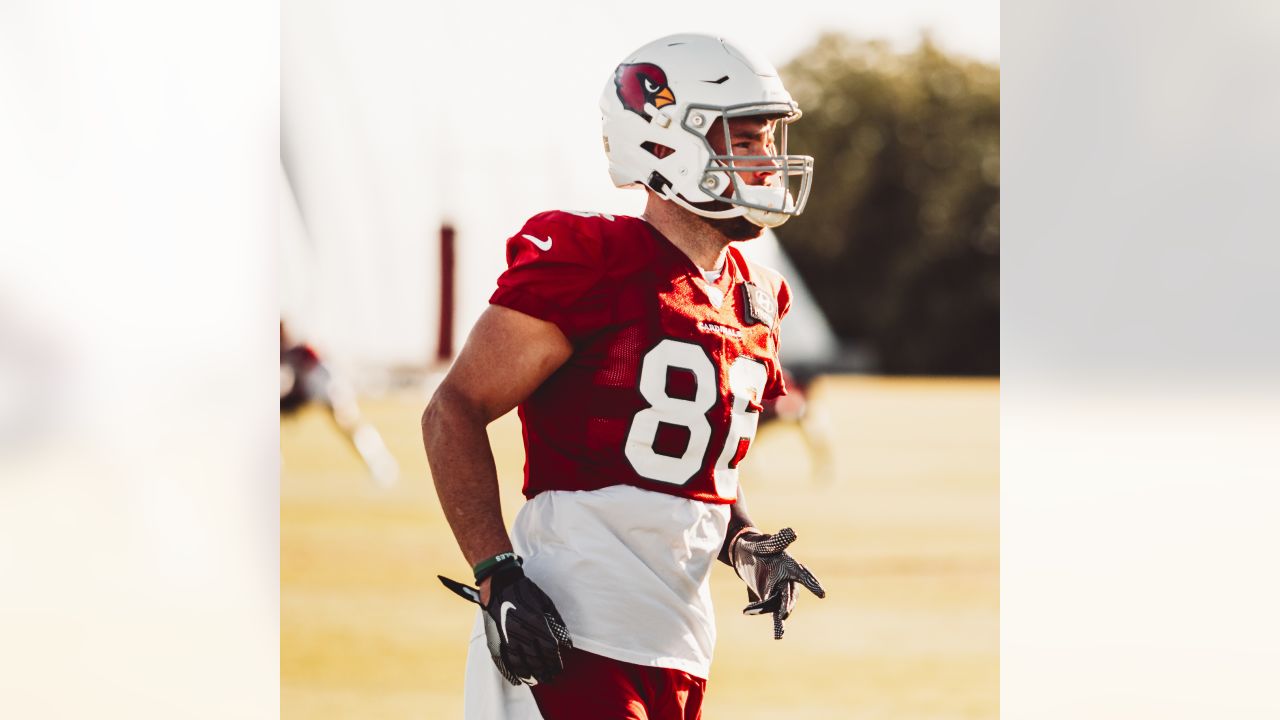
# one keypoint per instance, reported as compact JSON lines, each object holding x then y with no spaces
{"x":900,"y":240}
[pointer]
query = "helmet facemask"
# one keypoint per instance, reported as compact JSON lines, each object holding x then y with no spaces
{"x":785,"y":192}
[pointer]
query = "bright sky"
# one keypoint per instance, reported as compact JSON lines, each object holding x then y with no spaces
{"x":398,"y":113}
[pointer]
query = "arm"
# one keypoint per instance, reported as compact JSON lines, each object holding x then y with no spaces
{"x":506,"y":357}
{"x":739,"y":521}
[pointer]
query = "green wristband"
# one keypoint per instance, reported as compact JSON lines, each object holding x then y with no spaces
{"x":485,"y":568}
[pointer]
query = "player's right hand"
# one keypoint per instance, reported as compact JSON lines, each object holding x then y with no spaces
{"x":524,"y":630}
{"x":530,"y":628}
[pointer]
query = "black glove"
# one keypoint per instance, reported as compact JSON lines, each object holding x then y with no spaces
{"x":770,"y":574}
{"x":524,"y":630}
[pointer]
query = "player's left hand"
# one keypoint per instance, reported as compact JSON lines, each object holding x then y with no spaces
{"x":771,"y":573}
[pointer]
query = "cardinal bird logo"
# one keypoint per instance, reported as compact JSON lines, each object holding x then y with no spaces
{"x":642,"y":84}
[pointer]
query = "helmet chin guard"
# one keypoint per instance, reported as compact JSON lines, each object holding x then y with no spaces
{"x":754,"y":214}
{"x":659,"y":107}
{"x":774,"y":196}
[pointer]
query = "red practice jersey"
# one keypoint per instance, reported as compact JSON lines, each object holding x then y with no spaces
{"x":664,"y":386}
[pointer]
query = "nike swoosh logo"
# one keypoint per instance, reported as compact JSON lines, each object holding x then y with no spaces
{"x":543,"y":245}
{"x":502,"y":615}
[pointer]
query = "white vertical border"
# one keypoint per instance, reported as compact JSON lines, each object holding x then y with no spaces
{"x":138,"y":160}
{"x":1141,"y":420}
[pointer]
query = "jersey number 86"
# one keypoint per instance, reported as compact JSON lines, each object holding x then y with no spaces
{"x":747,"y":378}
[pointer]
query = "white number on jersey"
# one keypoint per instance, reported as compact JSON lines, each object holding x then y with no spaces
{"x":690,"y":414}
{"x":747,"y":378}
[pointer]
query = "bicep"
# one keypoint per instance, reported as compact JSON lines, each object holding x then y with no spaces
{"x":506,"y":357}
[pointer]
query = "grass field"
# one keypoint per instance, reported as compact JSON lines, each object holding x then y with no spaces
{"x":903,"y":531}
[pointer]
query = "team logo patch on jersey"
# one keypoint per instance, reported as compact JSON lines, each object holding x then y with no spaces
{"x":640,"y":85}
{"x":758,"y":305}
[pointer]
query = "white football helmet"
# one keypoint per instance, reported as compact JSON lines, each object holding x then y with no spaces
{"x":661,"y":102}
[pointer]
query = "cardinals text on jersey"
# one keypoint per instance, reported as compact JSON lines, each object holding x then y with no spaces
{"x":664,"y":387}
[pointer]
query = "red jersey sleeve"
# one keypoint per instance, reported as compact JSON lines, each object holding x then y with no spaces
{"x":555,"y":265}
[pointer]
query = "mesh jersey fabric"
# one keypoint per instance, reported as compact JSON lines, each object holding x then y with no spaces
{"x":649,"y":333}
{"x":632,"y":446}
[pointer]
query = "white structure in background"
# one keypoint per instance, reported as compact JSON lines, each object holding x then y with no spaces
{"x":807,"y":337}
{"x":296,"y":262}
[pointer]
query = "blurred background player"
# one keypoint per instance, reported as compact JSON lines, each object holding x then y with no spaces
{"x":305,"y":378}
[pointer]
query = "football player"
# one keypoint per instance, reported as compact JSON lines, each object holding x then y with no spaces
{"x":638,"y":351}
{"x":305,"y":378}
